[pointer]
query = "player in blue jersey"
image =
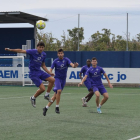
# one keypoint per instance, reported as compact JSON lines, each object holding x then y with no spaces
{"x":94,"y":74}
{"x":61,"y":65}
{"x":87,"y":83}
{"x":37,"y":60}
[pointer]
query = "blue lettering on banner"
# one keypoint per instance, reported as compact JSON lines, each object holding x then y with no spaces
{"x":9,"y":74}
{"x":78,"y":75}
{"x":72,"y":75}
{"x":6,"y":74}
{"x":103,"y":77}
{"x":121,"y":77}
{"x":110,"y":76}
{"x":1,"y":74}
{"x":14,"y":75}
{"x":26,"y":75}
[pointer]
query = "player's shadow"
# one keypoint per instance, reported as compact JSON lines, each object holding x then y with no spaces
{"x":73,"y":121}
{"x":91,"y":111}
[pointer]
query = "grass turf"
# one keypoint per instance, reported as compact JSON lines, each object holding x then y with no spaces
{"x":20,"y":121}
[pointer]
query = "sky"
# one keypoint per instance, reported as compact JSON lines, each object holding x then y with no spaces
{"x":94,"y":15}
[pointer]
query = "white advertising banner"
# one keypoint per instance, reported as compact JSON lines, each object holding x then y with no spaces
{"x":116,"y":75}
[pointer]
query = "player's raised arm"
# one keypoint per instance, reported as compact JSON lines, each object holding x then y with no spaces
{"x":83,"y":80}
{"x":110,"y":85}
{"x":45,"y":69}
{"x":74,"y":65}
{"x":15,"y":50}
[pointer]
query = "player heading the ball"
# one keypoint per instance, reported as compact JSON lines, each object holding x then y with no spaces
{"x":37,"y":60}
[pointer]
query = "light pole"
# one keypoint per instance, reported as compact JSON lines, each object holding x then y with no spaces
{"x":127,"y":34}
{"x":78,"y":29}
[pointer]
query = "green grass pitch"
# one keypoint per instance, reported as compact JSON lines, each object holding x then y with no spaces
{"x":120,"y":118}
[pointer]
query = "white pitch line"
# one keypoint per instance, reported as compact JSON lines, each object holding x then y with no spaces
{"x":125,"y":94}
{"x":134,"y":138}
{"x":14,"y":97}
{"x":24,"y":97}
{"x":121,"y":94}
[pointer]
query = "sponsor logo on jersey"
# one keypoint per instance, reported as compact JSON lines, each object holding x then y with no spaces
{"x":39,"y":58}
{"x":62,"y":65}
{"x":95,"y":73}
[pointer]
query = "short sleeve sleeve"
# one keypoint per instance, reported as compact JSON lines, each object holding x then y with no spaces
{"x":82,"y":70}
{"x":87,"y":72}
{"x":30,"y":52}
{"x":44,"y":58}
{"x":102,"y":71}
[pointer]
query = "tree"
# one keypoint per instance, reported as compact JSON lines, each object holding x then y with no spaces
{"x":51,"y":43}
{"x":74,"y":36}
{"x":120,"y":44}
{"x":105,"y":41}
{"x":138,"y":37}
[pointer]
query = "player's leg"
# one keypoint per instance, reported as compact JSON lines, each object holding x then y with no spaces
{"x":103,"y":92}
{"x":97,"y":98}
{"x":51,"y":81}
{"x":105,"y":95}
{"x":46,"y":77}
{"x":96,"y":91}
{"x":53,"y":99}
{"x":38,"y":82}
{"x":58,"y":95}
{"x":50,"y":85}
{"x":40,"y":90}
{"x":58,"y":100}
{"x":45,"y":109}
{"x":56,"y":87}
{"x":87,"y":98}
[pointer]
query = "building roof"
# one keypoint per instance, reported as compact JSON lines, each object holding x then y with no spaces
{"x":19,"y":17}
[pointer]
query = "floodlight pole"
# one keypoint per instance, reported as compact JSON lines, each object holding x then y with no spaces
{"x":78,"y":29}
{"x":127,"y":34}
{"x":35,"y":34}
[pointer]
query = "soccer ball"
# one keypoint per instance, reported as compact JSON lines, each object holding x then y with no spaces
{"x":40,"y":24}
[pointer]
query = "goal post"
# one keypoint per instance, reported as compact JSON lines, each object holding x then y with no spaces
{"x":14,"y":70}
{"x":9,"y":65}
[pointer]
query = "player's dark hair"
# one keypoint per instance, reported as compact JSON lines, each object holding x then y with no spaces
{"x":88,"y":60}
{"x":60,"y":50}
{"x":41,"y":44}
{"x":94,"y":58}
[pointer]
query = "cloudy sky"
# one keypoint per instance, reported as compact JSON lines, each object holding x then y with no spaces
{"x":94,"y":15}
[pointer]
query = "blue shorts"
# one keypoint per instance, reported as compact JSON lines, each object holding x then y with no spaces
{"x":59,"y":84}
{"x":88,"y":84}
{"x":38,"y":76}
{"x":100,"y":88}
